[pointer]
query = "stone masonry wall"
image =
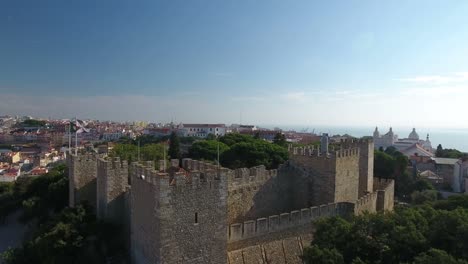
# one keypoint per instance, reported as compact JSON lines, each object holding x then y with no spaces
{"x":112,"y":184}
{"x":366,"y":163}
{"x":288,"y":250}
{"x":144,"y":225}
{"x":385,"y":188}
{"x":82,"y":181}
{"x":320,"y":172}
{"x":255,"y":192}
{"x":276,"y":227}
{"x":347,"y":176}
{"x":188,"y":218}
{"x":366,"y":167}
{"x":367,"y":203}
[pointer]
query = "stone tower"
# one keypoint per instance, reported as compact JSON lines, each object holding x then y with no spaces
{"x":366,"y":167}
{"x":112,"y":187}
{"x":82,"y":173}
{"x":179,"y":217}
{"x":366,"y":163}
{"x":332,"y":177}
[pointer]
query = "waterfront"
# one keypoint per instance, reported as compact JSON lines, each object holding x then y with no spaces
{"x":448,"y":137}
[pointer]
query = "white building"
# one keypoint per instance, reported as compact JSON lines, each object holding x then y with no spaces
{"x":243,"y":128}
{"x":202,"y":130}
{"x":390,"y":139}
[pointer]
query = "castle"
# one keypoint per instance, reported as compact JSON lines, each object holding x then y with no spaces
{"x":202,"y":213}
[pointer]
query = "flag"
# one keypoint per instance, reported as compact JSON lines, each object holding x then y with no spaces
{"x":78,"y":126}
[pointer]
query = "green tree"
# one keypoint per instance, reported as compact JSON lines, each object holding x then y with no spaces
{"x":128,"y":152}
{"x":153,"y":152}
{"x":233,"y":138}
{"x":174,"y":146}
{"x":254,"y":153}
{"x":207,"y":149}
{"x":449,"y":153}
{"x":420,"y":197}
{"x":280,"y":139}
{"x":34,"y":123}
{"x":384,"y":165}
{"x":403,"y":236}
{"x":315,"y":254}
{"x":439,"y":151}
{"x":437,"y":256}
{"x":256,"y":135}
{"x":210,"y":137}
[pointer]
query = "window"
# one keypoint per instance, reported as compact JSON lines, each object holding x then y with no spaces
{"x":196,"y":218}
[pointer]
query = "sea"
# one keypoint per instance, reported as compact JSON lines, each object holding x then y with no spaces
{"x":448,"y":137}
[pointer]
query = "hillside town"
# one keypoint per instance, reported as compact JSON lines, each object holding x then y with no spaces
{"x":30,"y":147}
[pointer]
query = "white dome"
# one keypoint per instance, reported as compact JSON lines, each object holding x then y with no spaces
{"x":413,"y":135}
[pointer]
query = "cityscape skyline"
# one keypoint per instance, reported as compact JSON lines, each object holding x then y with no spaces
{"x":336,"y":64}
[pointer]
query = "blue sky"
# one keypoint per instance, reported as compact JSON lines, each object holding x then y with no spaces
{"x":351,"y":63}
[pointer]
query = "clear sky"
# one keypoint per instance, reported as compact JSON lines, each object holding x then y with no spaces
{"x":346,"y":63}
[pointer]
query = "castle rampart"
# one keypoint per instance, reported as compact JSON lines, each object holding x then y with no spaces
{"x":289,"y":224}
{"x":367,"y":203}
{"x":82,"y":179}
{"x":331,"y":177}
{"x":366,"y":163}
{"x":385,"y":189}
{"x":189,"y":205}
{"x":112,"y":184}
{"x":285,"y":250}
{"x":199,"y":212}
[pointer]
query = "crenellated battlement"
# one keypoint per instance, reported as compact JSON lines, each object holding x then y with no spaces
{"x":366,"y":203}
{"x":170,"y":207}
{"x":112,"y":163}
{"x":250,"y":177}
{"x":310,"y":151}
{"x":82,"y":171}
{"x":383,"y":184}
{"x":112,"y":184}
{"x":385,"y":189}
{"x":196,"y":165}
{"x":83,"y":158}
{"x":356,"y":141}
{"x":178,"y":179}
{"x":285,"y":221}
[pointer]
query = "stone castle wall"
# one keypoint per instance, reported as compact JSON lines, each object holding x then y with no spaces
{"x":385,"y":188}
{"x":143,"y":221}
{"x":347,"y":176}
{"x":287,"y":250}
{"x":188,"y":218}
{"x":255,"y":192}
{"x":112,"y":184}
{"x":275,"y":227}
{"x":82,"y":179}
{"x":366,"y":163}
{"x":252,"y":192}
{"x":200,"y":212}
{"x":366,"y":203}
{"x":327,"y":178}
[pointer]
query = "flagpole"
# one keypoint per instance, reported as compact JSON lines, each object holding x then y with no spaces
{"x":218,"y":155}
{"x":138,"y":150}
{"x":76,"y":137}
{"x":69,"y":137}
{"x":164,"y":166}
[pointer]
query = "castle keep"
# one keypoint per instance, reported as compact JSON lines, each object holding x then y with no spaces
{"x":200,"y":213}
